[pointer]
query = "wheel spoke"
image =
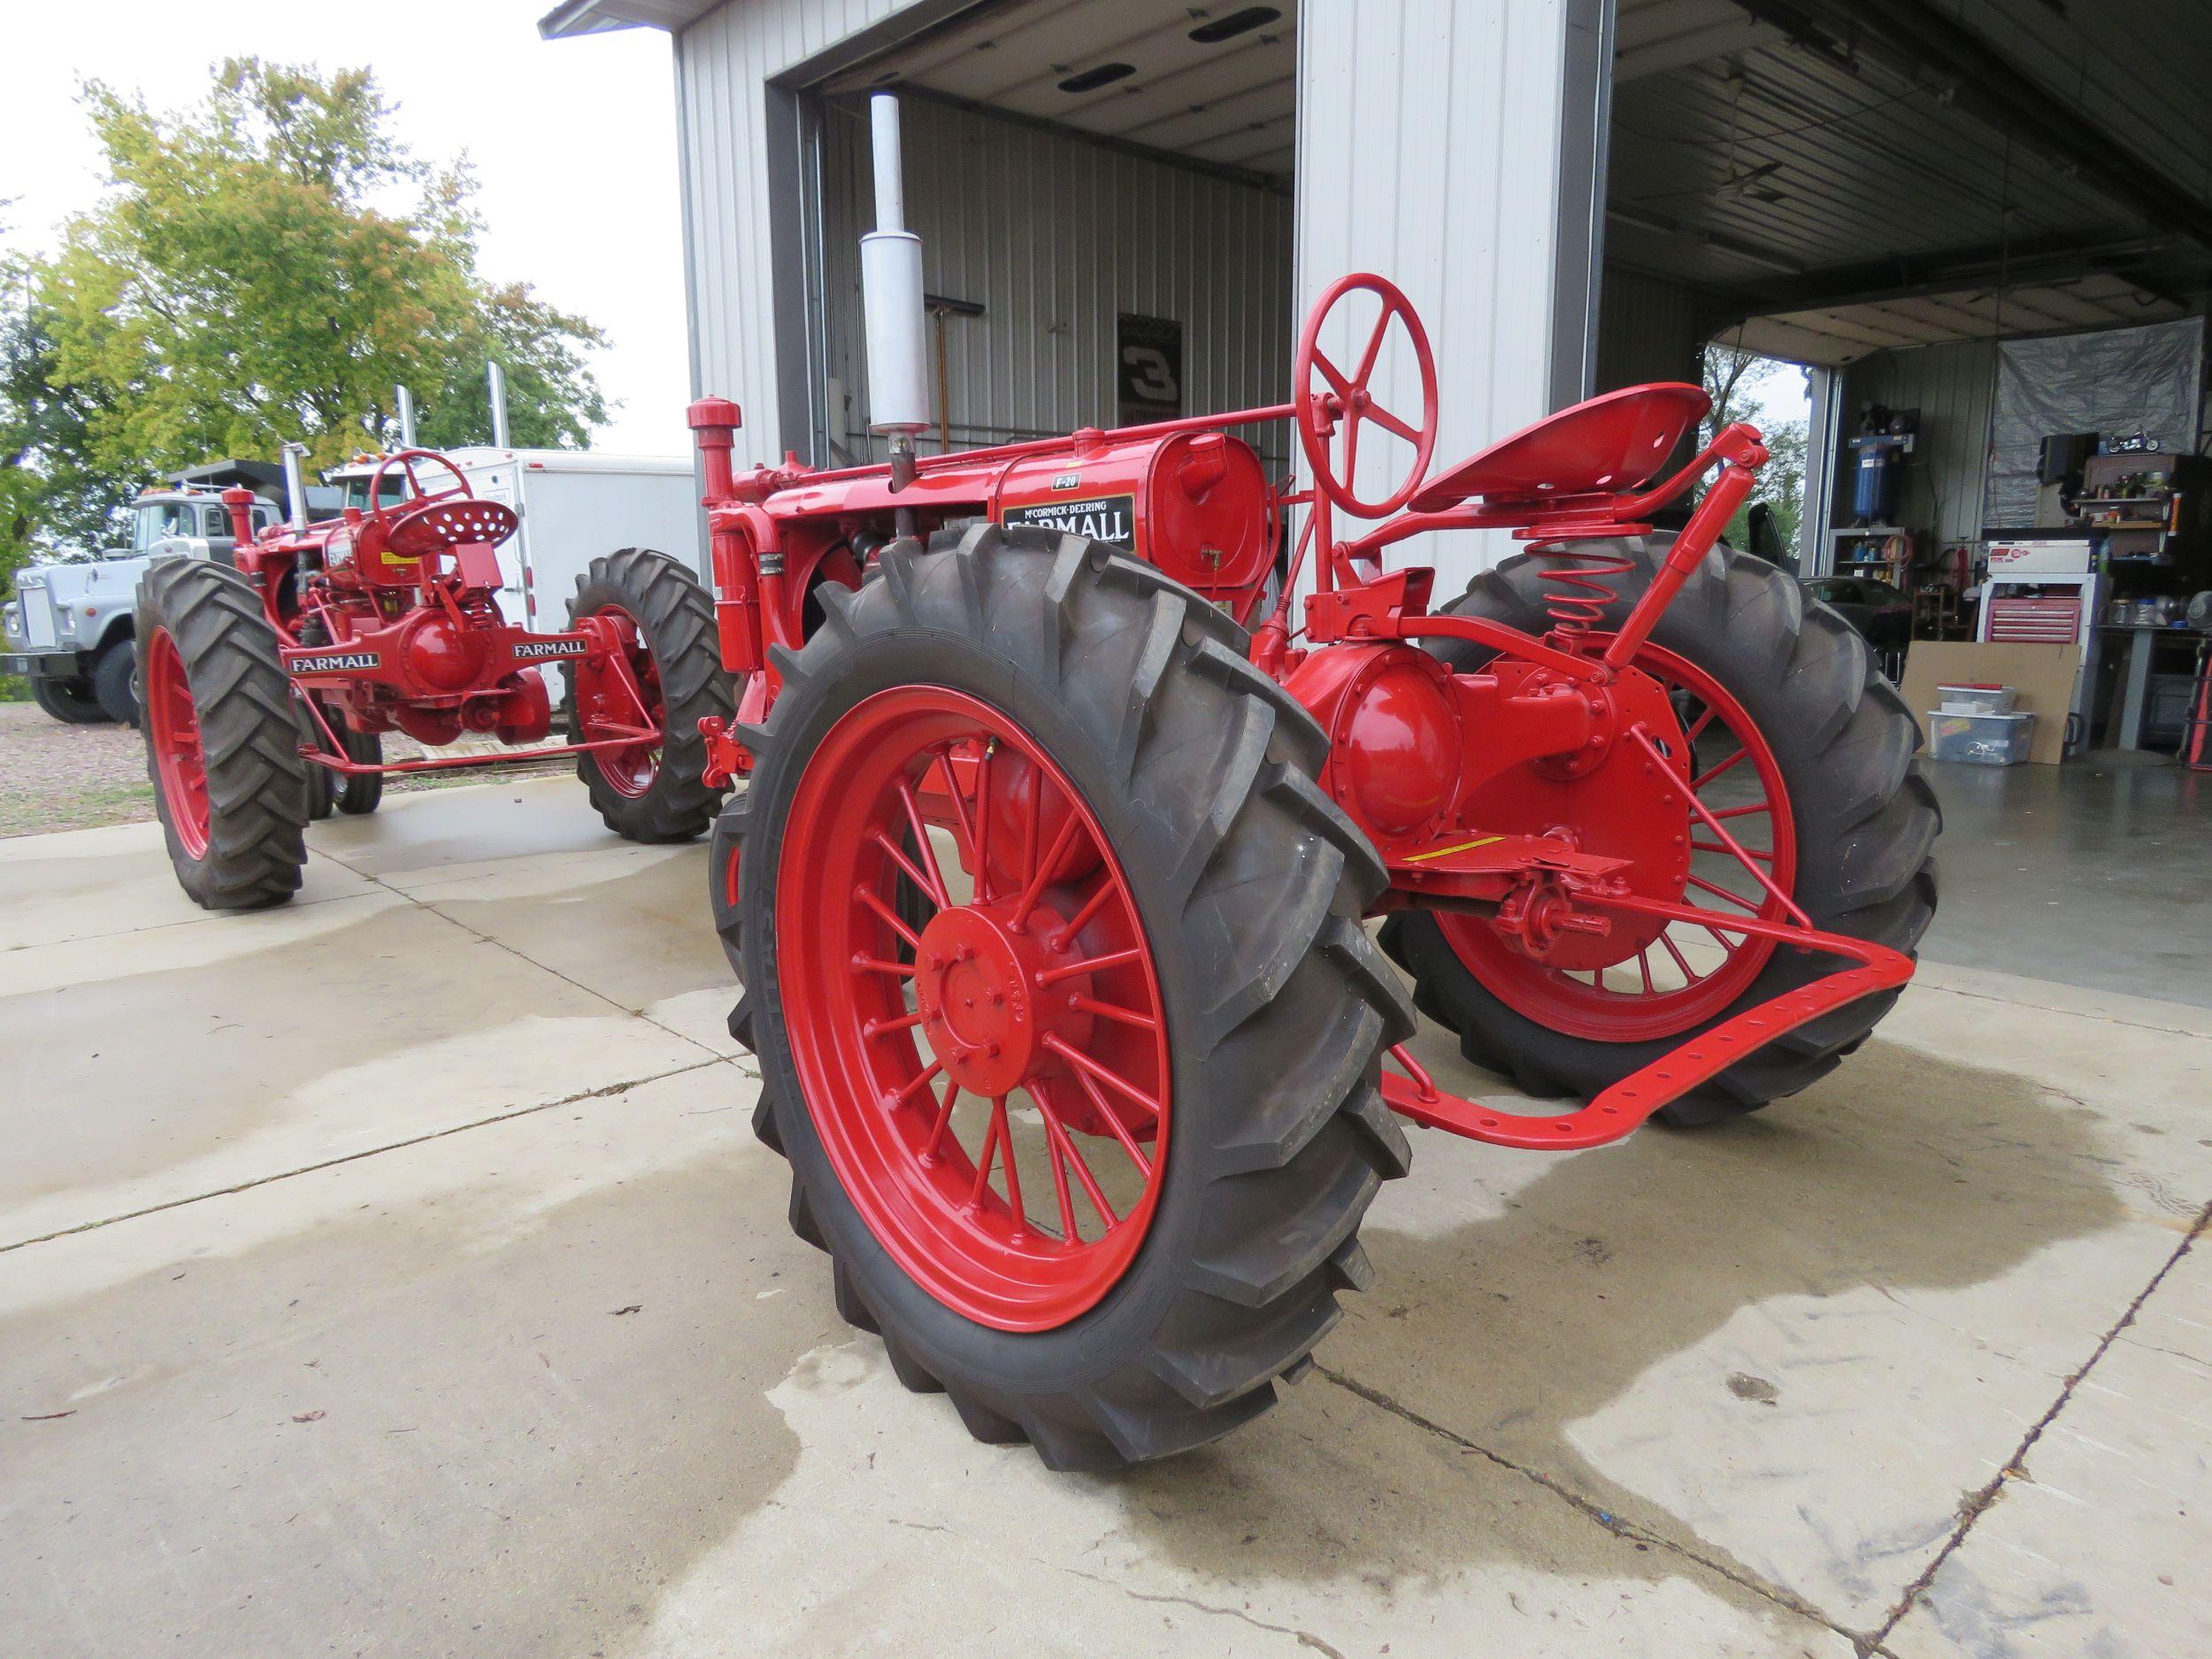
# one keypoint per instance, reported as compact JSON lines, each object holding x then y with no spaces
{"x":983,"y":888}
{"x":984,"y":1160}
{"x":1643,"y":966}
{"x":920,"y":1081}
{"x":932,"y":891}
{"x":1714,"y":770}
{"x":1744,"y":812}
{"x":963,"y":829}
{"x":944,"y":1114}
{"x":886,"y":1028}
{"x":1093,"y":965}
{"x":1690,"y":976}
{"x":1115,"y":1127}
{"x":1063,"y":1147}
{"x":868,"y":897}
{"x":1083,"y":917}
{"x":1013,"y":1174}
{"x":1040,"y":871}
{"x":875,"y":964}
{"x":1733,"y":852}
{"x":1053,"y":1140}
{"x":936,"y":883}
{"x":1109,"y":1011}
{"x":1720,"y":892}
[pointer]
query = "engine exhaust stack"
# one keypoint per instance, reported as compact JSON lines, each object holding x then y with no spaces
{"x":891,"y":291}
{"x":294,"y":488}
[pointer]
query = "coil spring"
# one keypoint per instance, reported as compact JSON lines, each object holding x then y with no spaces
{"x":1579,"y":593}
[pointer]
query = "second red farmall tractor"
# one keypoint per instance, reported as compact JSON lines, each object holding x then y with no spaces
{"x":268,"y":688}
{"x":1049,"y":885}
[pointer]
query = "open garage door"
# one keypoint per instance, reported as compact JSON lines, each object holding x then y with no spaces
{"x":1103,"y":195}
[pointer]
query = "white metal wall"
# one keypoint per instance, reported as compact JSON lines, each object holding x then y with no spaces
{"x":724,"y":104}
{"x":1436,"y":147}
{"x":1054,"y":237}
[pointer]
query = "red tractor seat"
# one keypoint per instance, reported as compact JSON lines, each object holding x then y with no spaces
{"x":1611,"y":445}
{"x":445,"y":521}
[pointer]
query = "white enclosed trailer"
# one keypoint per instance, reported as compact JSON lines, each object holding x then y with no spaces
{"x":575,"y":505}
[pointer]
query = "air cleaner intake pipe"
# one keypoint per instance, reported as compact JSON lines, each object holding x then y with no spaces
{"x":891,"y":294}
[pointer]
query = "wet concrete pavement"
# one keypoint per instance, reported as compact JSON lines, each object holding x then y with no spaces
{"x":481,"y":1331}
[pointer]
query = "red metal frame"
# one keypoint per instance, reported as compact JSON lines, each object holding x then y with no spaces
{"x":1548,"y":794}
{"x":387,"y":619}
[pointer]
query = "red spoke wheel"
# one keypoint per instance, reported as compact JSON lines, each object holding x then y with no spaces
{"x":1088,"y":1120}
{"x":669,"y":677}
{"x":222,"y":735}
{"x":1802,"y":752}
{"x":1024,"y":1026}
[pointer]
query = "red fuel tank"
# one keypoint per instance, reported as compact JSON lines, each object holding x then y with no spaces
{"x":1195,"y":504}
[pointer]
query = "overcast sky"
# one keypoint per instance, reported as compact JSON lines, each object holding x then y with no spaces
{"x":573,"y":143}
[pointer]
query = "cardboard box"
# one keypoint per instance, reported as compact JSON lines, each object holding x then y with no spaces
{"x":2043,"y":674}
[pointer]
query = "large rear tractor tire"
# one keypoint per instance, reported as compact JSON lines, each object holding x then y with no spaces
{"x":1142,"y":970}
{"x":72,"y":702}
{"x":1831,"y":795}
{"x":222,"y":737}
{"x":654,"y":792}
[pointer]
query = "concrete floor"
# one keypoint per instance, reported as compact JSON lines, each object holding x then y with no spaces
{"x":480,"y":1331}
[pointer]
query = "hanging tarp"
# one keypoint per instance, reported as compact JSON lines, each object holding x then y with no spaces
{"x":2114,"y":383}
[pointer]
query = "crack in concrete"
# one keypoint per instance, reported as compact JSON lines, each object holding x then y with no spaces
{"x":2071,"y":1013}
{"x":603,"y":1090}
{"x":1978,"y":1503}
{"x":1618,"y":1526}
{"x":522,"y":955}
{"x":1304,"y":1638}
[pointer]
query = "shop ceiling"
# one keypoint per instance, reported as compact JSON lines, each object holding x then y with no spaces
{"x":1839,"y":176}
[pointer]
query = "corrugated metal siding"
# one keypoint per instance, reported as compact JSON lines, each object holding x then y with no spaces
{"x":1952,"y":387}
{"x":1429,"y":151}
{"x":723,"y":65}
{"x":1054,"y":237}
{"x":1647,"y":330}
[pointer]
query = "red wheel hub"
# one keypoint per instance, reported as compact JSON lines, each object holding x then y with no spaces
{"x":1643,"y":979}
{"x":990,"y":1083}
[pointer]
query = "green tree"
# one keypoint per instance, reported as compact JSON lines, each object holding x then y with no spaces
{"x":51,"y":491}
{"x":269,"y":265}
{"x":1735,"y":379}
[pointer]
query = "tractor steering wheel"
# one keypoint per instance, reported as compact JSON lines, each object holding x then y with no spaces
{"x":426,"y":522}
{"x":1342,"y":403}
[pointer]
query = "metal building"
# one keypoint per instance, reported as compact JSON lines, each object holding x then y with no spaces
{"x":1576,"y":193}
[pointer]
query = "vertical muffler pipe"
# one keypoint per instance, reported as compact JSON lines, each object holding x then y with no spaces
{"x":497,"y":377}
{"x":891,"y":293}
{"x":406,"y":417}
{"x":294,"y":488}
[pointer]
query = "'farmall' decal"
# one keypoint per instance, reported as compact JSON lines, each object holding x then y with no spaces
{"x":1102,"y":517}
{"x":543,"y":650}
{"x":335,"y":662}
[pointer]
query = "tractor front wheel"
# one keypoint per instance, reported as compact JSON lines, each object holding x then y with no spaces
{"x":1805,"y":752}
{"x":1090,"y":1145}
{"x":222,"y":737}
{"x":649,"y":791}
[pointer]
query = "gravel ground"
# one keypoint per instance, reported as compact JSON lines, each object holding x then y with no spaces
{"x":56,"y":777}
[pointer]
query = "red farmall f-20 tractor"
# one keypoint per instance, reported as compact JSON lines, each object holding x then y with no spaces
{"x":268,"y":686}
{"x":1050,"y":881}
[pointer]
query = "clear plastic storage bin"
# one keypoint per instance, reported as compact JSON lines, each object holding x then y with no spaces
{"x":1981,"y":740}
